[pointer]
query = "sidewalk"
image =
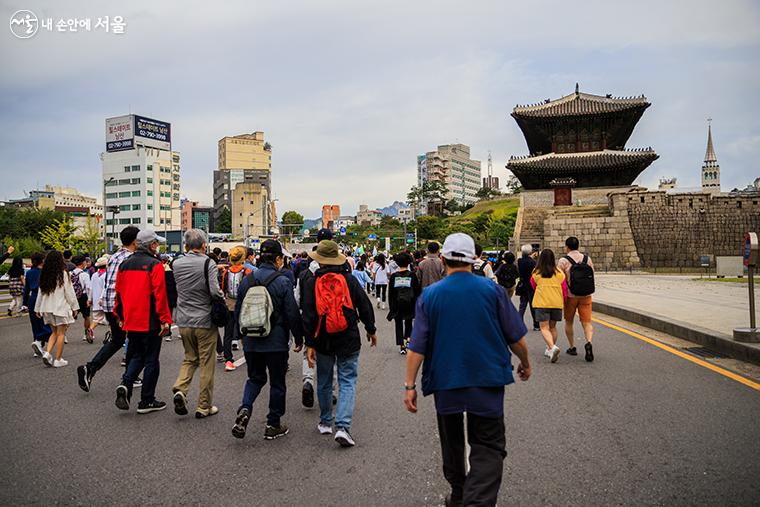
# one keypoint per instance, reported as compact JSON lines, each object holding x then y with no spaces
{"x":717,"y":306}
{"x":702,"y":312}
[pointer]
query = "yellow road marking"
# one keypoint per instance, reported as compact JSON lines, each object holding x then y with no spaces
{"x":684,"y":355}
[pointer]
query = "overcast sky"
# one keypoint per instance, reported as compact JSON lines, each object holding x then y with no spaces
{"x":349,"y":93}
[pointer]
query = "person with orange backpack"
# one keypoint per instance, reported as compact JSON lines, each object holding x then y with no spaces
{"x":332,"y":304}
{"x":232,"y":277}
{"x":267,"y":314}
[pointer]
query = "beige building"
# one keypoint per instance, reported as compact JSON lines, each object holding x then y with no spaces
{"x":250,"y":211}
{"x":451,"y":164}
{"x":366,"y":216}
{"x":245,"y":158}
{"x":68,"y":196}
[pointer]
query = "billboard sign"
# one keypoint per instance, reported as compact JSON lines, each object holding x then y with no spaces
{"x":152,"y":133}
{"x":119,"y":133}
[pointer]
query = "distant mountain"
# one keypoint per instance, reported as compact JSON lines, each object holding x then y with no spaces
{"x":310,"y":223}
{"x":392,"y":210}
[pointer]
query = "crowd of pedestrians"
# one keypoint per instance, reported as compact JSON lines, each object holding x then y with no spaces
{"x":268,"y":303}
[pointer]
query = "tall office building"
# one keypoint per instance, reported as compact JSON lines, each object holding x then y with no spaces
{"x":141,"y":177}
{"x":330,"y":216}
{"x":247,"y":159}
{"x":451,"y":164}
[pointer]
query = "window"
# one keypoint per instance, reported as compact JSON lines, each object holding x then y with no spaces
{"x":175,"y":187}
{"x":135,"y":220}
{"x":150,"y":193}
{"x":135,"y":181}
{"x":124,"y":182}
{"x":135,"y":207}
{"x":125,"y":207}
{"x":111,"y":195}
{"x":136,"y":193}
{"x":150,"y":206}
{"x":150,"y":220}
{"x":149,"y":180}
{"x":124,"y":194}
{"x":135,"y":168}
{"x":149,"y":167}
{"x":127,"y":168}
{"x":176,"y":197}
{"x":124,"y":221}
{"x":109,"y":222}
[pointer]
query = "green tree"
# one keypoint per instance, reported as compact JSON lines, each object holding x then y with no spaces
{"x":224,"y":223}
{"x":58,"y":235}
{"x":487,"y":193}
{"x":482,"y":222}
{"x":89,"y":238}
{"x":430,"y":227}
{"x":430,"y":192}
{"x":21,"y":222}
{"x":292,"y":222}
{"x":388,"y":221}
{"x":513,"y":185}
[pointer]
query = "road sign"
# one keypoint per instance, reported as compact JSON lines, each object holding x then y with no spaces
{"x":342,"y":230}
{"x":372,"y":236}
{"x":409,"y":234}
{"x":410,"y":240}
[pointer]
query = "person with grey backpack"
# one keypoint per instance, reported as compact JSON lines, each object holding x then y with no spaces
{"x":267,"y":314}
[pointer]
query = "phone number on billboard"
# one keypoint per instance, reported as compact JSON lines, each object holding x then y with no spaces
{"x":126,"y":144}
{"x":159,"y":132}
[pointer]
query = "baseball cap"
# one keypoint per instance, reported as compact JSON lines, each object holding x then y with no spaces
{"x":459,"y":247}
{"x":271,"y":246}
{"x":324,"y":234}
{"x":148,"y":236}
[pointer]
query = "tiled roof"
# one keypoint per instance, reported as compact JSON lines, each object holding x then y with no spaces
{"x":601,"y":160}
{"x":579,"y":104}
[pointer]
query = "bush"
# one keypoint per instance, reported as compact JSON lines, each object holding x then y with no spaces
{"x":24,"y":246}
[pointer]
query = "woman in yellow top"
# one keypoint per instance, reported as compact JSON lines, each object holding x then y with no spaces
{"x":550,"y":292}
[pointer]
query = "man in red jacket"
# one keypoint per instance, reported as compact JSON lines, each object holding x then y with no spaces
{"x":143,"y":311}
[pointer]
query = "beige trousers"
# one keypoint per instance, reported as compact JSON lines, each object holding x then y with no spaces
{"x":200,"y":345}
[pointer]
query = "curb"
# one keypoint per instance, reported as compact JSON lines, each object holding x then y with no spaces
{"x":719,"y":342}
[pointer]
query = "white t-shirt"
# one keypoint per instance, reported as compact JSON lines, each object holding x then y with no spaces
{"x":381,"y":274}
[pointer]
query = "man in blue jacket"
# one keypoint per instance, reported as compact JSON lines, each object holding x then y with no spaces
{"x":269,"y":353}
{"x":467,"y":363}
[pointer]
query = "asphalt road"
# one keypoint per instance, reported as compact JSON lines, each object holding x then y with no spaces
{"x":639,"y":426}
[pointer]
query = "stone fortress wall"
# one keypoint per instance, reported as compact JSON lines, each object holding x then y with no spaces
{"x":631,"y":227}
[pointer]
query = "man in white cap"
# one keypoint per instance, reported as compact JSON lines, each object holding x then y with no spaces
{"x":467,"y":363}
{"x":142,"y":308}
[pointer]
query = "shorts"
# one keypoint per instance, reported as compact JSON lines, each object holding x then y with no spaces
{"x":580,"y":303}
{"x":545,"y":314}
{"x":99,"y":317}
{"x":57,"y":320}
{"x":83,"y":308}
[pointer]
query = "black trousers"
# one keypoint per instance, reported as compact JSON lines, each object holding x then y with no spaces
{"x":112,"y":347}
{"x":230,"y":334}
{"x":381,"y":291}
{"x":403,"y":330}
{"x":487,"y":452}
{"x":259,"y":363}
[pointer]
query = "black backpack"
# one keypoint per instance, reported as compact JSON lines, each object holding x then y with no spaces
{"x":581,"y":277}
{"x":481,"y":271}
{"x":404,"y":292}
{"x":507,"y":275}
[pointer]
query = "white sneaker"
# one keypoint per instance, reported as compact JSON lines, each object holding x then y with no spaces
{"x":344,"y":438}
{"x":84,"y":338}
{"x":65,"y":340}
{"x":384,"y":307}
{"x":324,"y":429}
{"x":548,"y":353}
{"x":555,"y":354}
{"x":59,"y":363}
{"x":47,"y":359}
{"x":37,"y":348}
{"x":378,"y":304}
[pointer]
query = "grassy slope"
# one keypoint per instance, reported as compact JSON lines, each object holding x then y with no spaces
{"x":501,"y":207}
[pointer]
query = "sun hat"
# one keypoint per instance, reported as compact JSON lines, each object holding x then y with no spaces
{"x":459,"y":247}
{"x":328,"y":253}
{"x":102,"y":261}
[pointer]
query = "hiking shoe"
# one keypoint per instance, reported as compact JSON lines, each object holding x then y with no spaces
{"x":200,"y":414}
{"x":168,"y":338}
{"x":235,"y":345}
{"x":229,"y":366}
{"x":555,"y":354}
{"x":324,"y":429}
{"x":151,"y":406}
{"x":307,"y":395}
{"x":272,"y":432}
{"x":241,"y":423}
{"x":60,"y":363}
{"x":220,"y":358}
{"x":137,"y":382}
{"x":122,"y":398}
{"x":589,"y":352}
{"x":572,"y":351}
{"x":84,"y":379}
{"x":37,"y":348}
{"x":89,"y":336}
{"x":180,"y":403}
{"x":402,"y":351}
{"x":343,"y":437}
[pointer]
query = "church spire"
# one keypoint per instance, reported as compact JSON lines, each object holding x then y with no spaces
{"x":710,"y":152}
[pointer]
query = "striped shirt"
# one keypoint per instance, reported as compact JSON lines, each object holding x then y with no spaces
{"x":112,"y":269}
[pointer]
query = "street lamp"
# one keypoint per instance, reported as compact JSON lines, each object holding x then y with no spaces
{"x":105,"y":227}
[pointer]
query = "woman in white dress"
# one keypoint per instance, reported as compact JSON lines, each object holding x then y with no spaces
{"x":57,"y":305}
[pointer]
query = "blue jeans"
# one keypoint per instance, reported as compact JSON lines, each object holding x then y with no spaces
{"x":348,"y":370}
{"x":144,"y":349}
{"x":259,"y":363}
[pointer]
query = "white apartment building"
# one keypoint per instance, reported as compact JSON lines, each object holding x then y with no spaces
{"x":141,"y":176}
{"x":451,"y":164}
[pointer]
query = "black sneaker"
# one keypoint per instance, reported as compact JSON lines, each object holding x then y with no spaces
{"x":122,"y":398}
{"x":572,"y":351}
{"x":220,"y":358}
{"x":151,"y":406}
{"x":84,"y":378}
{"x":180,"y":403}
{"x":137,"y":382}
{"x":307,"y":395}
{"x":452,"y":501}
{"x":241,"y":423}
{"x":589,"y":352}
{"x":273,"y":432}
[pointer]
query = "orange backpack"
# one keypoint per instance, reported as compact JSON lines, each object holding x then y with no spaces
{"x":332,"y":295}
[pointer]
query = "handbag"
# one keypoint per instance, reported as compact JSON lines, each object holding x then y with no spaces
{"x":520,"y":289}
{"x":220,"y":315}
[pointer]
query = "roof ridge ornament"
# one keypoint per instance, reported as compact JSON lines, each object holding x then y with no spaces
{"x":576,"y":88}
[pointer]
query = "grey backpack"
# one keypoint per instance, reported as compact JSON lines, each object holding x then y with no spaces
{"x":257,"y":308}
